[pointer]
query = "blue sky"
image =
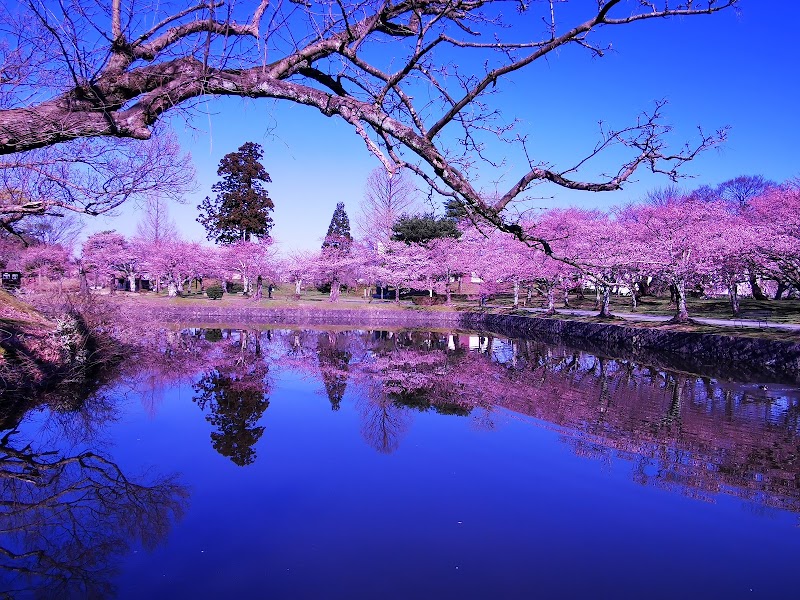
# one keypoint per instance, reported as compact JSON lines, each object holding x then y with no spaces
{"x":739,"y":71}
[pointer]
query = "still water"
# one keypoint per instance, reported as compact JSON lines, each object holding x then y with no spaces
{"x":372,"y":464}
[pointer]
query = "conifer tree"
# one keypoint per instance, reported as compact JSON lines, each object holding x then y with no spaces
{"x":242,"y":207}
{"x":338,"y":236}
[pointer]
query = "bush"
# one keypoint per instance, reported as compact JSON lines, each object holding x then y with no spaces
{"x":214,"y":292}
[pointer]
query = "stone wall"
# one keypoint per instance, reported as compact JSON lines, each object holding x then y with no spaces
{"x":725,"y":356}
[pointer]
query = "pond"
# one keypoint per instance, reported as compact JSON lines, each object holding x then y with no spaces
{"x":289,"y":463}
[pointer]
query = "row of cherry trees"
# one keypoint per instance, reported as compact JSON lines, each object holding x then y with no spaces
{"x":175,"y":263}
{"x":677,"y":241}
{"x":681,"y":242}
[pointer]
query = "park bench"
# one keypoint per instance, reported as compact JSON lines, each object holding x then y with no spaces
{"x":760,"y":317}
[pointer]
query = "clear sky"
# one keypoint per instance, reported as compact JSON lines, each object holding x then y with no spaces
{"x":741,"y":71}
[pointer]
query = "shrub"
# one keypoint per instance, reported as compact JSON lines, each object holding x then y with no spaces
{"x":214,"y":292}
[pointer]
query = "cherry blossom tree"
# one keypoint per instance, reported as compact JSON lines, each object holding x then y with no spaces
{"x":678,"y":240}
{"x":179,"y":262}
{"x":252,"y":262}
{"x":592,"y":243}
{"x":397,"y":263}
{"x":298,"y":267}
{"x":775,"y":218}
{"x":45,"y":261}
{"x":338,"y":265}
{"x":109,"y":254}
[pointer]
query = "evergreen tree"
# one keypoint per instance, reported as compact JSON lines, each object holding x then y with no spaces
{"x":338,"y":236}
{"x":455,"y":210}
{"x":420,"y":229}
{"x":242,"y":205}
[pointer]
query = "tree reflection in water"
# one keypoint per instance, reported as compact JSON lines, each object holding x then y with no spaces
{"x":687,"y":433}
{"x":235,"y":392}
{"x":333,"y":352}
{"x":67,"y":518}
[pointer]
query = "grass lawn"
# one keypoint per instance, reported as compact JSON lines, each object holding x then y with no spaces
{"x":783,"y":311}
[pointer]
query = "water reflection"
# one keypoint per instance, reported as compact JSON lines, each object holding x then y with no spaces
{"x":69,"y":512}
{"x":234,"y":393}
{"x":68,"y":517}
{"x":333,"y":353}
{"x":687,"y":433}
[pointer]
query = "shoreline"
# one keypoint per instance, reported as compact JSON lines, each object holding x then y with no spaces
{"x":709,"y":354}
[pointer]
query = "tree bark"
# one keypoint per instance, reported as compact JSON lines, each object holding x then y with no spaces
{"x":681,"y":314}
{"x":259,"y":287}
{"x":335,"y":290}
{"x":733,"y":293}
{"x":780,"y":289}
{"x":551,"y":300}
{"x":758,"y":293}
{"x":516,"y":293}
{"x":604,"y":297}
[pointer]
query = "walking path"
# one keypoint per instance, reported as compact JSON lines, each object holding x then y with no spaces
{"x":628,"y":316}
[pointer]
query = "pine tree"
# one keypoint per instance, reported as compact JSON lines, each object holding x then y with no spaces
{"x":421,"y":229}
{"x":338,"y":236}
{"x":455,"y":210}
{"x":242,"y":205}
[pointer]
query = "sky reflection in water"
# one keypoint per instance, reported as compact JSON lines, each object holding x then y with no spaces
{"x":360,"y":464}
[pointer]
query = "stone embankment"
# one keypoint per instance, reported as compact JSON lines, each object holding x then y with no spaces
{"x":713,"y":355}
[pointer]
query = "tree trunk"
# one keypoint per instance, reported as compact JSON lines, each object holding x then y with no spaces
{"x":113,"y":285}
{"x":566,"y":298}
{"x":529,"y":297}
{"x":132,"y":282}
{"x":681,"y":314}
{"x":84,"y":289}
{"x":733,"y":293}
{"x":516,"y":293}
{"x":780,"y":289}
{"x":397,"y":293}
{"x":297,"y":284}
{"x":447,"y":289}
{"x":634,"y":301}
{"x":335,"y":289}
{"x":604,"y":297}
{"x":259,"y":287}
{"x":179,"y":286}
{"x":551,"y":300}
{"x":758,"y":293}
{"x":172,"y":289}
